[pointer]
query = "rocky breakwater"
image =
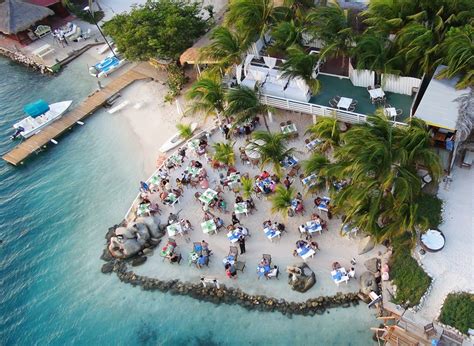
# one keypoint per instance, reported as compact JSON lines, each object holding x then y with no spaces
{"x":221,"y":294}
{"x":23,"y":59}
{"x":131,"y":242}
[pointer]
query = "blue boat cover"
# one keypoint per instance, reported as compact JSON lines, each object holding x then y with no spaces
{"x":36,"y":108}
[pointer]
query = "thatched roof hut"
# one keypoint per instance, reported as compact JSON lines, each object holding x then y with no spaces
{"x":17,"y":16}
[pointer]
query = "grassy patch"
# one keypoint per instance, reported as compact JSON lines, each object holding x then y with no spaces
{"x":458,"y":311}
{"x":429,"y":210}
{"x":411,"y":280}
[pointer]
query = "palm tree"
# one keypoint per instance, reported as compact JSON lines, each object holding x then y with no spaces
{"x":226,"y":48}
{"x":272,"y":147}
{"x":458,"y":52}
{"x":224,"y":153}
{"x":317,"y":164}
{"x":381,"y":161}
{"x":330,"y":25}
{"x":465,"y":122}
{"x":247,"y":187}
{"x":373,"y":52}
{"x":250,"y":17}
{"x":327,"y":130}
{"x":244,"y":103}
{"x":286,"y":34}
{"x":208,"y":96}
{"x":281,"y":200}
{"x":185,"y":131}
{"x":302,"y":65}
{"x":419,"y":47}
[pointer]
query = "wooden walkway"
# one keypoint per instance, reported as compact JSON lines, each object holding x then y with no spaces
{"x":87,"y":107}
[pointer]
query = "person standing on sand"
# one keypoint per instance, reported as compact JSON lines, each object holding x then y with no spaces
{"x":234,"y":219}
{"x":242,"y":244}
{"x":226,"y":131}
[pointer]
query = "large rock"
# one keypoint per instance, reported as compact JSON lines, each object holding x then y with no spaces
{"x":107,"y":267}
{"x":300,"y":277}
{"x":151,"y":224}
{"x":372,"y":265}
{"x":367,"y":283}
{"x":130,"y":247}
{"x":365,"y":245}
{"x":128,"y":232}
{"x":138,"y":261}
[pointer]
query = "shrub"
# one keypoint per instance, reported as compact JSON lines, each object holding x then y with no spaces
{"x":411,"y":280}
{"x":175,"y":82}
{"x":458,"y":311}
{"x":429,"y":210}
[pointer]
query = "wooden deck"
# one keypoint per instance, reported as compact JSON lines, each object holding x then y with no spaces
{"x":31,"y":145}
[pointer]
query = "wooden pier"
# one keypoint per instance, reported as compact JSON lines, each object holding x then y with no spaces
{"x":36,"y":142}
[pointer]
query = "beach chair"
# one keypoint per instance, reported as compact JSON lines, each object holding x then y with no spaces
{"x":267,"y":257}
{"x":430,"y":330}
{"x":233,"y":251}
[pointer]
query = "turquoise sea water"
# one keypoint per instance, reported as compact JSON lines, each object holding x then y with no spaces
{"x":54,"y":212}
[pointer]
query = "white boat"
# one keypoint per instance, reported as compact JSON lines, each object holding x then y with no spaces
{"x":176,"y":140}
{"x":106,"y":66}
{"x":40,"y":114}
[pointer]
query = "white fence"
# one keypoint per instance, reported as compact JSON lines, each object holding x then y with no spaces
{"x":361,"y":78}
{"x":399,"y":85}
{"x":316,"y":110}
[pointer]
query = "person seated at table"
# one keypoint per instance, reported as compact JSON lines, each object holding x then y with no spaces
{"x":314,"y":245}
{"x":164,"y":195}
{"x":266,"y":189}
{"x":280,"y":227}
{"x":219,"y":222}
{"x":207,"y":216}
{"x":144,"y":187}
{"x":202,"y":142}
{"x":202,"y":261}
{"x":204,"y":244}
{"x":145,"y":198}
{"x":244,"y":231}
{"x":221,"y":205}
{"x":264,"y":175}
{"x":154,"y":208}
{"x":352,"y":273}
{"x":336,"y":266}
{"x":301,"y":243}
{"x":267,"y":223}
{"x":202,"y":173}
{"x":179,"y":185}
{"x":162,"y":173}
{"x":176,"y":192}
{"x":204,"y":183}
{"x":174,"y":257}
{"x":317,"y":202}
{"x":275,"y":179}
{"x":250,"y":204}
{"x":197,"y":164}
{"x":272,"y":273}
{"x":231,"y":170}
{"x":299,"y":207}
{"x":264,"y":262}
{"x":230,"y":271}
{"x":239,"y":199}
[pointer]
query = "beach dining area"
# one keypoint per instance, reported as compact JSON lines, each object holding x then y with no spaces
{"x":220,"y":228}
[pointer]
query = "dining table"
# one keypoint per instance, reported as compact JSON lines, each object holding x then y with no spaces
{"x":289,"y":129}
{"x":208,"y":196}
{"x":376,"y":93}
{"x":208,"y":226}
{"x":391,"y":112}
{"x":344,"y":103}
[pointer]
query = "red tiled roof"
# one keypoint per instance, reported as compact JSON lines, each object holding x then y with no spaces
{"x":45,"y":3}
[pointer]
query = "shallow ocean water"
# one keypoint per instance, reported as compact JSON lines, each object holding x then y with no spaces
{"x":54,"y":212}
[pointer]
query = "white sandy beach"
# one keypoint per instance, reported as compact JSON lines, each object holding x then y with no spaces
{"x":333,"y":246}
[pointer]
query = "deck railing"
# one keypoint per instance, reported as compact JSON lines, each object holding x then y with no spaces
{"x":316,"y":110}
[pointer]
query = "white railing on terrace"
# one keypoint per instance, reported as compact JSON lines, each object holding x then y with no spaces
{"x":316,"y":110}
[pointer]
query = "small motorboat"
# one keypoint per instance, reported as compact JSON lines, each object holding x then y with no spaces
{"x":40,"y":114}
{"x":176,"y":140}
{"x":106,"y":66}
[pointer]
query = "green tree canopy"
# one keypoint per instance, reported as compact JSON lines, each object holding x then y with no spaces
{"x":381,"y":162}
{"x":159,"y":29}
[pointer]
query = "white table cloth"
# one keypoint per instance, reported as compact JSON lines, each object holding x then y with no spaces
{"x":376,"y":93}
{"x":391,"y":112}
{"x":344,"y":103}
